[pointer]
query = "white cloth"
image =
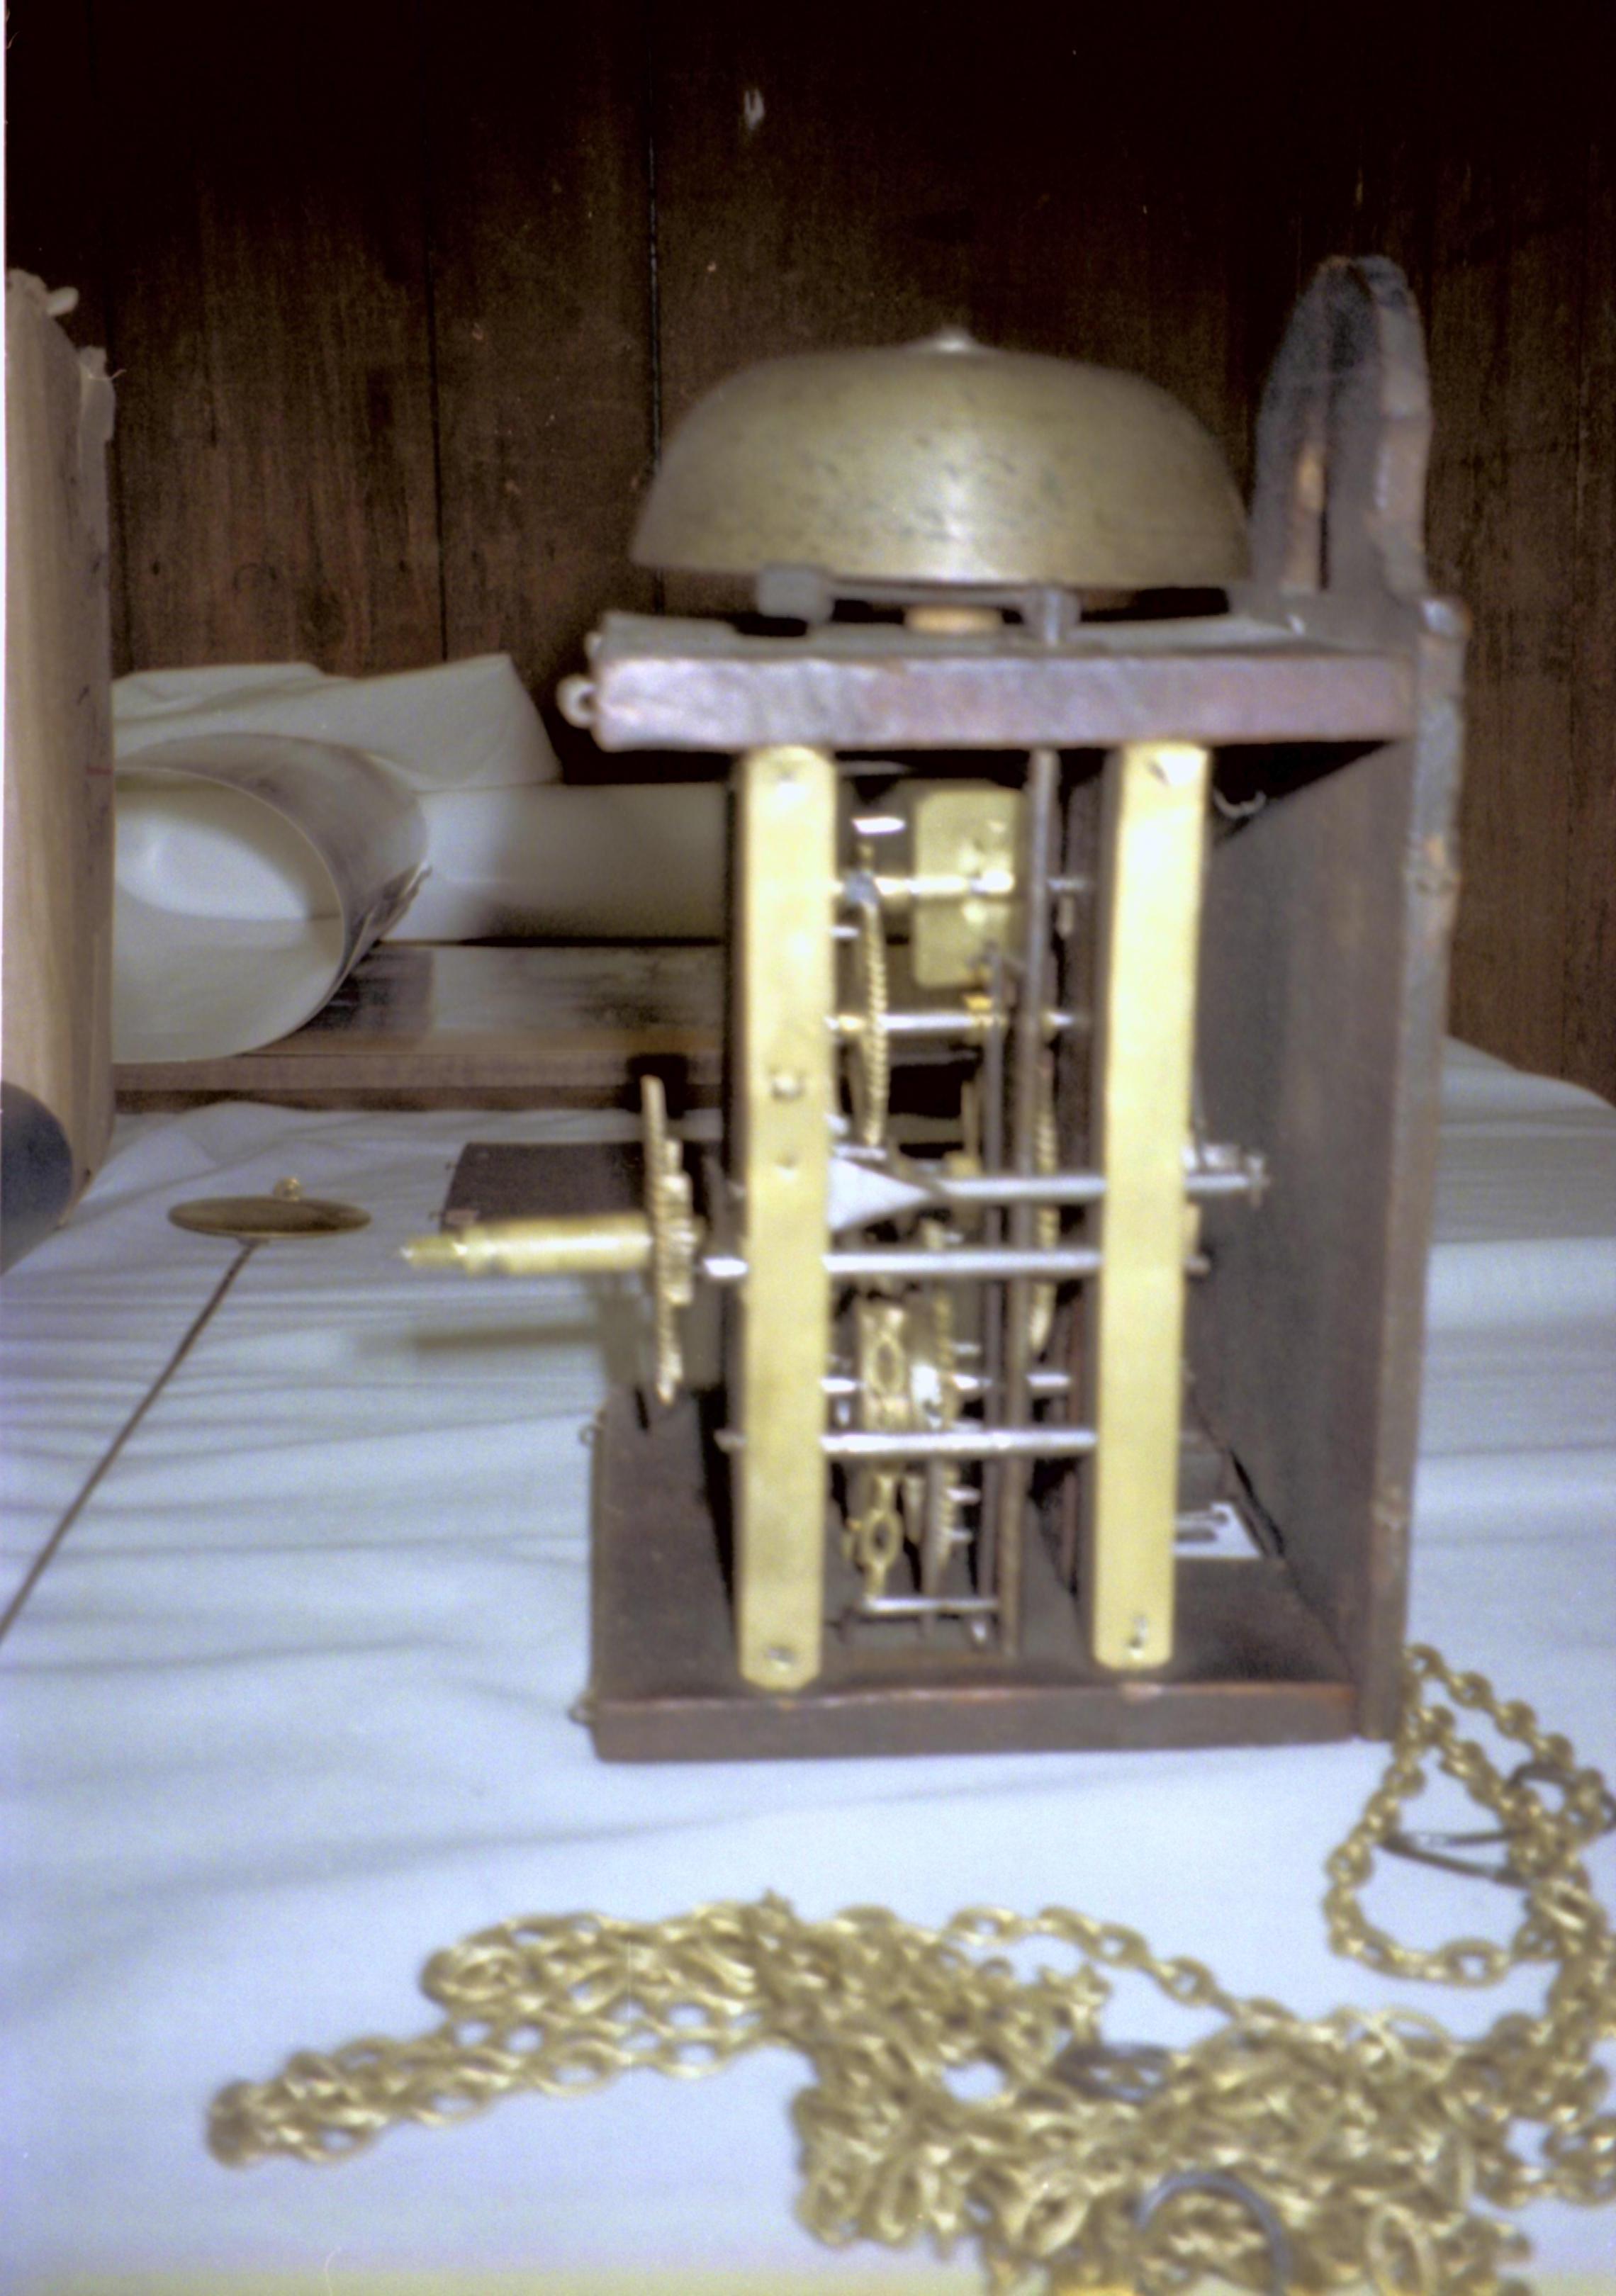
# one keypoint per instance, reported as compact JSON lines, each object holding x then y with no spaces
{"x":289,"y":1709}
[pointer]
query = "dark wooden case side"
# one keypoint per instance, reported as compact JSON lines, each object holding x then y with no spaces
{"x":1253,"y":1665}
{"x":1320,"y":1046}
{"x":1324,"y":987}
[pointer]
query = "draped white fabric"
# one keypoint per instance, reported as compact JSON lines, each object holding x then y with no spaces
{"x":289,"y":1709}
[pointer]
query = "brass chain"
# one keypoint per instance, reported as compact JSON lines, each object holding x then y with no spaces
{"x":1374,"y":2137}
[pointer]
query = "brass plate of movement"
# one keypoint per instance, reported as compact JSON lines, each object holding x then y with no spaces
{"x":285,"y":1215}
{"x":965,"y":845}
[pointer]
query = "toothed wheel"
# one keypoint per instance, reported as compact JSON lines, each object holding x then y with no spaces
{"x":872,"y":1065}
{"x":673,"y":1236}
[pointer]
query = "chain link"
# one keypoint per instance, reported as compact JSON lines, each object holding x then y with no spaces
{"x":1374,"y":2138}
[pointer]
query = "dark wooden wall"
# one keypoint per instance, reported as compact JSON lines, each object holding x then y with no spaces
{"x":400,"y":296}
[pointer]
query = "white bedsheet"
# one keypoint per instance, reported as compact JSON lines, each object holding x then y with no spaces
{"x":289,"y":1709}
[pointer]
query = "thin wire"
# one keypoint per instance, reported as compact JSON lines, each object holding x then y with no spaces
{"x":87,"y":1489}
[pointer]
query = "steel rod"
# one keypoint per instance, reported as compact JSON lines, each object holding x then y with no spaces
{"x":969,"y":1386}
{"x":1056,"y":1439}
{"x":1042,"y":780}
{"x":925,"y":1606}
{"x":966,"y":1263}
{"x":950,"y":1021}
{"x":969,"y":1264}
{"x":1204,"y":1182}
{"x":987,"y":885}
{"x":991,"y":1087}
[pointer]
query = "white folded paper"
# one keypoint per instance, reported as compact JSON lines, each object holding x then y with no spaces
{"x":461,"y":724}
{"x":273,"y":822}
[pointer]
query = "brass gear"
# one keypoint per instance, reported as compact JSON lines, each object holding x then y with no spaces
{"x":872,"y":1065}
{"x":673,"y":1235}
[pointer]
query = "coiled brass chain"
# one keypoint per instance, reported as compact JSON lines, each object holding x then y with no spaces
{"x":1371,"y":2136}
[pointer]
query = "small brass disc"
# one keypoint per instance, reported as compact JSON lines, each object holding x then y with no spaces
{"x":268,"y":1219}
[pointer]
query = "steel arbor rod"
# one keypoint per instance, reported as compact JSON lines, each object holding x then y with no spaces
{"x":1039,"y":1439}
{"x":1011,"y":1509}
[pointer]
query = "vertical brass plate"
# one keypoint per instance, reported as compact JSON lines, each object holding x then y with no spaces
{"x":786,"y":853}
{"x":973,"y":834}
{"x":1150,"y":919}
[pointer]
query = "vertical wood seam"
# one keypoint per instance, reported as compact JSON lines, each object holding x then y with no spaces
{"x":118,"y":599}
{"x":1570,"y":1017}
{"x":653,"y":284}
{"x":429,"y":265}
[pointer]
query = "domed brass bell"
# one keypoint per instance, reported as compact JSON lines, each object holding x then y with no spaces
{"x":944,"y":461}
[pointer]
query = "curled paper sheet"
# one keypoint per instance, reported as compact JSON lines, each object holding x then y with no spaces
{"x":261,"y":846}
{"x":270,"y":830}
{"x":253,"y":871}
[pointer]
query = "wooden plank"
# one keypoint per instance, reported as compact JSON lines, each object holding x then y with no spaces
{"x":1320,"y":973}
{"x":538,"y":142}
{"x":55,"y":191}
{"x":846,"y":176}
{"x":269,"y":290}
{"x":1400,"y":104}
{"x":687,"y":691}
{"x":57,"y":972}
{"x":1588,"y":1052}
{"x":1140,"y":189}
{"x":415,"y":1026}
{"x":1504,"y":321}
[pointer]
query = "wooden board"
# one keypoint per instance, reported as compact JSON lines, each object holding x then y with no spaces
{"x":379,"y":281}
{"x":846,"y":176}
{"x":55,"y":189}
{"x":265,"y":229}
{"x":1321,"y":982}
{"x":530,"y":1026}
{"x":57,"y":986}
{"x":56,"y":195}
{"x":1588,"y":1047}
{"x":540,"y":233}
{"x":1504,"y":318}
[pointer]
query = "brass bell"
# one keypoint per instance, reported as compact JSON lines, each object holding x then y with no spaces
{"x":945,"y":461}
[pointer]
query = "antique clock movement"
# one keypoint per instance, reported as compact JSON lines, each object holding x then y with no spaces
{"x":1090,"y":892}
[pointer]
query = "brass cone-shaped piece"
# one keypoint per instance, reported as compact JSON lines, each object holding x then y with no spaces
{"x":944,"y":461}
